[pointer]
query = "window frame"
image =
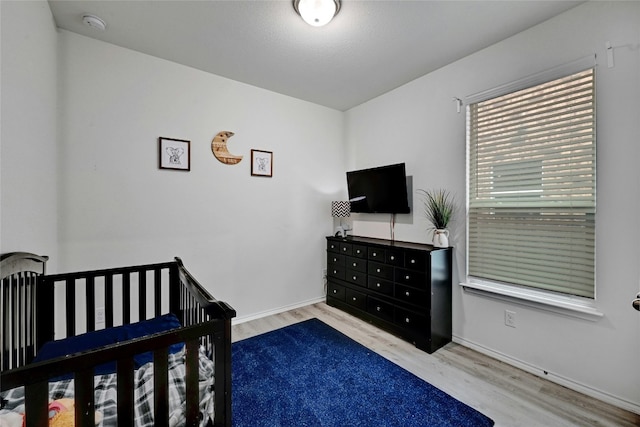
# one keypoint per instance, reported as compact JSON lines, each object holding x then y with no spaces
{"x":583,"y":307}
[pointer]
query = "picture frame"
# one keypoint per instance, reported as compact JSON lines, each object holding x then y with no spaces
{"x":174,"y":154}
{"x":262,"y":163}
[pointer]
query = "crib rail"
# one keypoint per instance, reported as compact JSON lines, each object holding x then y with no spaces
{"x":85,"y":291}
{"x":35,"y":377}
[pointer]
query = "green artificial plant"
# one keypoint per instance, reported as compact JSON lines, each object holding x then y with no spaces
{"x":439,"y":207}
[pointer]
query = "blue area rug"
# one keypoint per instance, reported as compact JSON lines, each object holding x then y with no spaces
{"x":309,"y":374}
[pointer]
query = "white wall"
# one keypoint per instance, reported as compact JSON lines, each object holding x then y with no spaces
{"x":28,"y":206}
{"x":255,"y":242}
{"x":418,"y":124}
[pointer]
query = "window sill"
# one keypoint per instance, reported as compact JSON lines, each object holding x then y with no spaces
{"x":566,"y":305}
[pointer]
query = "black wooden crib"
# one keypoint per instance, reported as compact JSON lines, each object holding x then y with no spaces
{"x":137,"y":345}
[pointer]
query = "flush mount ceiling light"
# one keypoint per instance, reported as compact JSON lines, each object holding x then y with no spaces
{"x":317,"y":12}
{"x":94,"y":22}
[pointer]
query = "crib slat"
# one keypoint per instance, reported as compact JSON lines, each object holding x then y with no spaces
{"x":4,"y":339}
{"x":161,"y":387}
{"x":70,"y":289}
{"x":125,"y":388}
{"x":30,"y":327}
{"x":84,"y":398}
{"x":20,"y":325}
{"x":108,"y":300}
{"x":174,"y":290}
{"x":37,"y":414}
{"x":91,"y":303}
{"x":157,"y":292}
{"x":142,"y":294}
{"x":13,"y":354}
{"x":191,"y":383}
{"x":126,"y":298}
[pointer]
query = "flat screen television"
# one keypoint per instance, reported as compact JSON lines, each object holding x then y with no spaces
{"x":378,"y":190}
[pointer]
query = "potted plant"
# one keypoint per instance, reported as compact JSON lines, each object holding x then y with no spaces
{"x":439,"y":208}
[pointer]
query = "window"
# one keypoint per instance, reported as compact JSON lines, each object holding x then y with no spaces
{"x":531,"y":186}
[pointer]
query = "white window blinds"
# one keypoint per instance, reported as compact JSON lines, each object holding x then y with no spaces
{"x":532,"y":182}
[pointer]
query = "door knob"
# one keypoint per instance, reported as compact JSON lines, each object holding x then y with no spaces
{"x":636,"y":304}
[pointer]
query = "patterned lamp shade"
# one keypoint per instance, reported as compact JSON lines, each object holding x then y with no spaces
{"x":340,"y":209}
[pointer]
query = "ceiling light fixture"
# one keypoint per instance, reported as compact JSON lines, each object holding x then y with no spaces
{"x":317,"y":12}
{"x":94,"y":22}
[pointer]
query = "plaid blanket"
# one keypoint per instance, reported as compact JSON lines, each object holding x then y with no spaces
{"x":106,"y":393}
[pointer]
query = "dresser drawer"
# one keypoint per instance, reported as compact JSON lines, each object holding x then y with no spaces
{"x":377,"y":254}
{"x":335,"y":291}
{"x":357,"y":264}
{"x":383,"y":271}
{"x":336,"y":271}
{"x":335,"y":259}
{"x":416,"y":260}
{"x":359,"y":251}
{"x":413,"y":321}
{"x":380,"y":285}
{"x":346,"y":248}
{"x":333,"y":246}
{"x":410,"y":278}
{"x":395,"y":257}
{"x":356,"y":277}
{"x":411,"y":295}
{"x":356,"y":299}
{"x":380,"y":309}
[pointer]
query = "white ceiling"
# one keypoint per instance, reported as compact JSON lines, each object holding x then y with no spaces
{"x":371,"y":46}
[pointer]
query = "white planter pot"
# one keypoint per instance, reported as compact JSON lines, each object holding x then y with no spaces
{"x":441,"y":238}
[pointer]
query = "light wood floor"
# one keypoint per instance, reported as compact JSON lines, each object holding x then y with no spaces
{"x":508,"y":395}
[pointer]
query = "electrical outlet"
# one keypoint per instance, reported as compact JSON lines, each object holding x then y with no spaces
{"x":510,"y":318}
{"x":100,"y":315}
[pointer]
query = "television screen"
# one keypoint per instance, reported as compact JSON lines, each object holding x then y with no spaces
{"x":378,"y":190}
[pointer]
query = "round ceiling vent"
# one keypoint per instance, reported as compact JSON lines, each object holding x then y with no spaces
{"x":94,"y":22}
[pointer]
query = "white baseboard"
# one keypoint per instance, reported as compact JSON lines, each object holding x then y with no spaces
{"x":242,"y":319}
{"x":558,"y":379}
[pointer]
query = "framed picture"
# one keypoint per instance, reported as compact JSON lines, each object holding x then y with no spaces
{"x":261,"y":163}
{"x":174,"y":154}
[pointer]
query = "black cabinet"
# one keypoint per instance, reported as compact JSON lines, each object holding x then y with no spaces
{"x":402,"y":287}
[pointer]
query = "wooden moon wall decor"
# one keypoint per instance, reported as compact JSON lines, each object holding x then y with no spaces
{"x":219,"y":148}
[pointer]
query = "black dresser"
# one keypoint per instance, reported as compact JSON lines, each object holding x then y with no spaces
{"x":402,"y":287}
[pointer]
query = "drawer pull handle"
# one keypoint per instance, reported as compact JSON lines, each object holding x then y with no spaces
{"x":354,"y":298}
{"x":406,"y":277}
{"x":355,"y":264}
{"x":392,"y":257}
{"x":407,"y":320}
{"x":377,"y":285}
{"x":357,"y":251}
{"x":407,"y":294}
{"x":378,"y":308}
{"x":335,"y":291}
{"x":335,"y":271}
{"x":355,"y":278}
{"x":344,"y":249}
{"x":374,"y":254}
{"x":377,"y":270}
{"x":413,"y":261}
{"x":335,"y":260}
